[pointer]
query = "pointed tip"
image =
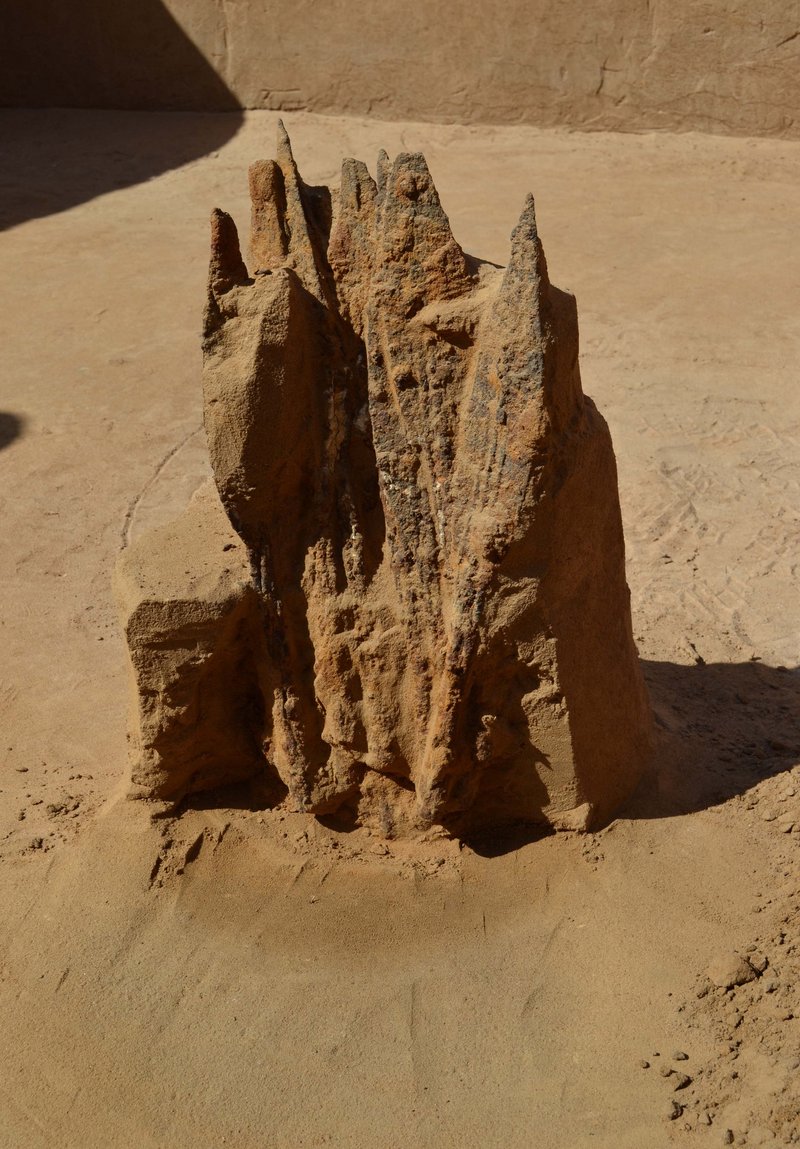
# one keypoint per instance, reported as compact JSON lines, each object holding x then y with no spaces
{"x":349,"y":167}
{"x":284,"y":145}
{"x":411,"y":162}
{"x":526,"y":246}
{"x":296,"y":210}
{"x":221,"y":225}
{"x":413,"y":232}
{"x":408,"y":180}
{"x":527,"y":266}
{"x":268,"y":238}
{"x":384,"y":166}
{"x":527,"y":220}
{"x":357,"y":185}
{"x":226,"y":266}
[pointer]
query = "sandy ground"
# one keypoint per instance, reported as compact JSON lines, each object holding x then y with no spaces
{"x":251,"y":979}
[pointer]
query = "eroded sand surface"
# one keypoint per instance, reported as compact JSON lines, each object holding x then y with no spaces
{"x":250,"y":979}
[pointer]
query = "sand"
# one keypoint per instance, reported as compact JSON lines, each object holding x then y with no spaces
{"x":223,"y":979}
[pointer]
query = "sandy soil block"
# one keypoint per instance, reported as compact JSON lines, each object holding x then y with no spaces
{"x":435,"y":628}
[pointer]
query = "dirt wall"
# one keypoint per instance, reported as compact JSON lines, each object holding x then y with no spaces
{"x":713,"y":65}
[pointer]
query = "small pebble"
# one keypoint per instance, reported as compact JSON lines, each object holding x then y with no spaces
{"x":679,"y":1055}
{"x":681,"y":1081}
{"x":644,"y":1064}
{"x":760,"y":1136}
{"x":673,"y":1111}
{"x":727,"y":1137}
{"x":667,"y":1071}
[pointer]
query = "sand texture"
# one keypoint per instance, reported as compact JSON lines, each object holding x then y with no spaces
{"x":236,"y":975}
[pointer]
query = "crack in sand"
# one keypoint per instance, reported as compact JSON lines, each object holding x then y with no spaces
{"x":133,"y":506}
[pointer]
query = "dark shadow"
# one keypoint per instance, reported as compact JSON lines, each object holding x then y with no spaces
{"x":11,"y":428}
{"x":255,"y":795}
{"x":721,"y":729}
{"x":54,"y":160}
{"x":102,"y":55}
{"x":505,"y":839}
{"x":341,"y":821}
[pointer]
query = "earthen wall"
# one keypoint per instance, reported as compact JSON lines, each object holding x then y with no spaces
{"x":725,"y":66}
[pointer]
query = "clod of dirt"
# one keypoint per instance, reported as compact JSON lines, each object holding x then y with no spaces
{"x":727,"y":970}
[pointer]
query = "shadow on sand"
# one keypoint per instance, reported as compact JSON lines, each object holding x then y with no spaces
{"x":721,"y":728}
{"x":11,"y":428}
{"x":58,"y":159}
{"x":111,"y":56}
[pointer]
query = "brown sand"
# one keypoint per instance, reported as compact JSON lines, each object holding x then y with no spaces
{"x":224,"y":980}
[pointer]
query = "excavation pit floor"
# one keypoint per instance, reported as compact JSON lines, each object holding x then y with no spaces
{"x":251,"y":978}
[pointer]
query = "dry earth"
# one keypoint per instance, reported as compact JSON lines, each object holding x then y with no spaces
{"x":251,"y":979}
